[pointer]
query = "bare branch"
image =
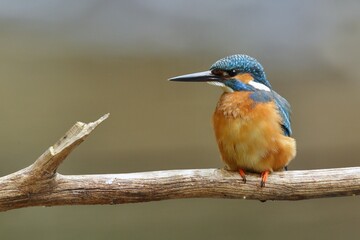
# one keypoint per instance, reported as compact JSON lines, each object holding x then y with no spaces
{"x":40,"y":185}
{"x":41,"y":175}
{"x":49,"y":161}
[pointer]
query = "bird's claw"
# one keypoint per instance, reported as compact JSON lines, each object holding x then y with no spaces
{"x":264,"y":177}
{"x":242,"y":175}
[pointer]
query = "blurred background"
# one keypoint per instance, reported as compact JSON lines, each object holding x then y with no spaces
{"x":68,"y":61}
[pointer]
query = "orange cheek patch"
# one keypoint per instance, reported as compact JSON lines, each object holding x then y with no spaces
{"x":244,"y":77}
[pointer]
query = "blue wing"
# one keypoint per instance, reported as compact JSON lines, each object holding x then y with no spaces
{"x":282,"y":105}
{"x":285,"y":111}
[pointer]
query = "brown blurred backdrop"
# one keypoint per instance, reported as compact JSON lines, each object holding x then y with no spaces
{"x":64,"y":61}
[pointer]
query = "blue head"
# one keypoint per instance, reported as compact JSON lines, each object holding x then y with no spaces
{"x":233,"y":73}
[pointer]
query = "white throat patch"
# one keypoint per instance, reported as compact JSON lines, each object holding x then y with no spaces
{"x":259,"y":86}
{"x":223,"y":86}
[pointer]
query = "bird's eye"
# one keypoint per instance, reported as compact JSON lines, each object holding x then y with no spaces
{"x":226,"y":74}
{"x":232,"y":73}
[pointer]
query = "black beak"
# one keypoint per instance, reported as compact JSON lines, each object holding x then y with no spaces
{"x":206,"y":76}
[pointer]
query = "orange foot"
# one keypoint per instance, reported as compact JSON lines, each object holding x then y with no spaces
{"x":242,"y":174}
{"x":264,"y":177}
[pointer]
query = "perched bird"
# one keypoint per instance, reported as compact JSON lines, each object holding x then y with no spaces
{"x":251,"y":121}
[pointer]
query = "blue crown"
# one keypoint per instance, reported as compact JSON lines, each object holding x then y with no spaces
{"x":243,"y":64}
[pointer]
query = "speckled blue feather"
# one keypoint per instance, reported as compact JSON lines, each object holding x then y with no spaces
{"x":242,"y":63}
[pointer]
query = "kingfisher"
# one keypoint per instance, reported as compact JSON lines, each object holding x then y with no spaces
{"x":251,"y":121}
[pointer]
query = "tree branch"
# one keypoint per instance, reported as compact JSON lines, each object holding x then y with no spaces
{"x":40,"y":184}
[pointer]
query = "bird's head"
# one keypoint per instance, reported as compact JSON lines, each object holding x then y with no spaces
{"x":232,"y":73}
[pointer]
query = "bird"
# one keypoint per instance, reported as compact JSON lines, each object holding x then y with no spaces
{"x":251,"y":121}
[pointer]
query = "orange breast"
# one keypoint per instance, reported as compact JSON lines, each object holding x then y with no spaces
{"x":249,"y":135}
